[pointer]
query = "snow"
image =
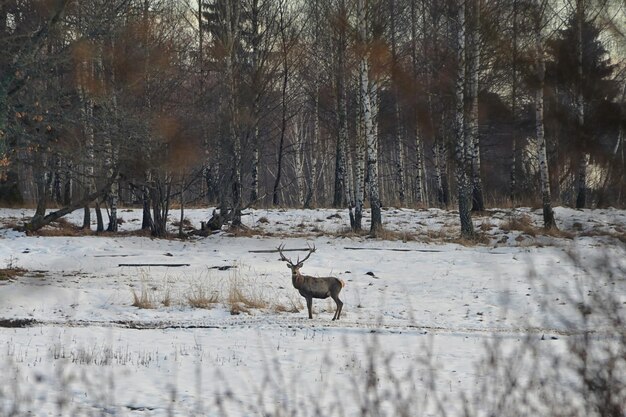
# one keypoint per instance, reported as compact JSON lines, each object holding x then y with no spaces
{"x":432,"y":306}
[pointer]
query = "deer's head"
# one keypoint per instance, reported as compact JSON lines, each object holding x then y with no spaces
{"x":295,"y":267}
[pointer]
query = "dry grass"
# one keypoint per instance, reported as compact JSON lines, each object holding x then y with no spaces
{"x":7,"y":274}
{"x":522,"y":223}
{"x":477,"y":239}
{"x":293,"y":305}
{"x":244,"y":295}
{"x":167,"y":298}
{"x":244,"y":231}
{"x":486,"y":226}
{"x":200,"y":296}
{"x":144,"y":299}
{"x":61,"y":227}
{"x":348,"y":232}
{"x":186,"y":223}
{"x":404,"y":236}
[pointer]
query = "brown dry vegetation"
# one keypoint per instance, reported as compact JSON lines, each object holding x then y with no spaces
{"x":522,"y":223}
{"x":143,"y":299}
{"x":199,"y":296}
{"x":7,"y":274}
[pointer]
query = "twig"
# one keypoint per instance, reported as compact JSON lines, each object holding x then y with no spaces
{"x":170,"y":265}
{"x":276,"y":250}
{"x":394,"y":249}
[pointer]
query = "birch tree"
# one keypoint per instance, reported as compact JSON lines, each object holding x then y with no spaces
{"x":540,"y":68}
{"x":341,"y":24}
{"x":420,"y":183}
{"x":399,"y":130}
{"x":371,"y":137}
{"x":473,"y":141}
{"x":461,"y":139}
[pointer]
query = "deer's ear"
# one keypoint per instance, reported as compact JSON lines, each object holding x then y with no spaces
{"x":300,"y":265}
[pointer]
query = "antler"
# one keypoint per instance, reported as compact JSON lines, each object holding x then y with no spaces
{"x":311,"y":250}
{"x":282,"y":256}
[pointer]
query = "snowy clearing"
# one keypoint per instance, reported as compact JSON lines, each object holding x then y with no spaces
{"x":428,"y":305}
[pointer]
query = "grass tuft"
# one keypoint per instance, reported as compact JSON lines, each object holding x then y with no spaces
{"x":522,"y":223}
{"x":143,"y":299}
{"x":244,"y":296}
{"x":199,"y":296}
{"x":7,"y":274}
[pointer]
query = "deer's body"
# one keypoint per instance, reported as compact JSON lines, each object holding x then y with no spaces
{"x":313,"y":287}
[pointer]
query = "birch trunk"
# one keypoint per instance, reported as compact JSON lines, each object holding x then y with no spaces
{"x":110,"y":149}
{"x":232,"y":24}
{"x":284,"y":86}
{"x":513,"y":192}
{"x":342,"y":121}
{"x":371,"y":138}
{"x":420,"y":192}
{"x":474,"y":138}
{"x":86,"y":115}
{"x":299,"y":134}
{"x":548,"y":214}
{"x":254,"y":192}
{"x":340,"y":158}
{"x":583,"y":162}
{"x":399,"y":131}
{"x":461,"y":149}
{"x":311,"y":197}
{"x":359,"y":189}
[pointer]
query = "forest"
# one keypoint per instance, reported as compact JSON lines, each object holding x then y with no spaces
{"x":352,"y":104}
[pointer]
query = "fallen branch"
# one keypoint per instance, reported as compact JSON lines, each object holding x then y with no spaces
{"x":170,"y":265}
{"x":223,"y":268}
{"x":276,"y":250}
{"x":394,"y":249}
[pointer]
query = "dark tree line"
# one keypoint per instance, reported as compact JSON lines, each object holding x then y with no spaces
{"x":345,"y":103}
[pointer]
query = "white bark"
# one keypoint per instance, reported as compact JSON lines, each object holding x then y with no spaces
{"x":299,"y":138}
{"x":312,"y":191}
{"x":368,"y":92}
{"x":472,"y":123}
{"x":548,"y":215}
{"x":464,"y":187}
{"x":359,"y":189}
{"x":399,"y":140}
{"x":580,"y":107}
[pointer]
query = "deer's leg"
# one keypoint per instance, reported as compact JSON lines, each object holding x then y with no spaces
{"x":309,"y":305}
{"x":339,"y":306}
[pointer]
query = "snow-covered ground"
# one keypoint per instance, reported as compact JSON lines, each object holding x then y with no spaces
{"x":423,"y":301}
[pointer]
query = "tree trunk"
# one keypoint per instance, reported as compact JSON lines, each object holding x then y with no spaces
{"x":548,"y":214}
{"x":39,"y":220}
{"x":342,"y":121}
{"x":160,"y":196}
{"x":146,"y":222}
{"x":583,"y":163}
{"x":299,"y":133}
{"x":311,"y":197}
{"x":399,"y":131}
{"x":474,"y":139}
{"x":99,"y":220}
{"x":182,"y":207}
{"x":515,"y":160}
{"x":369,"y":125}
{"x":461,"y":148}
{"x":359,"y":190}
{"x":255,"y":24}
{"x":283,"y":124}
{"x":232,"y":25}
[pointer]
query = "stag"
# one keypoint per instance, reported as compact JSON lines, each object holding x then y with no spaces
{"x":313,"y":287}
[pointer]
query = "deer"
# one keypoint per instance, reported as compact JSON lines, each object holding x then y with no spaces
{"x":313,"y":287}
